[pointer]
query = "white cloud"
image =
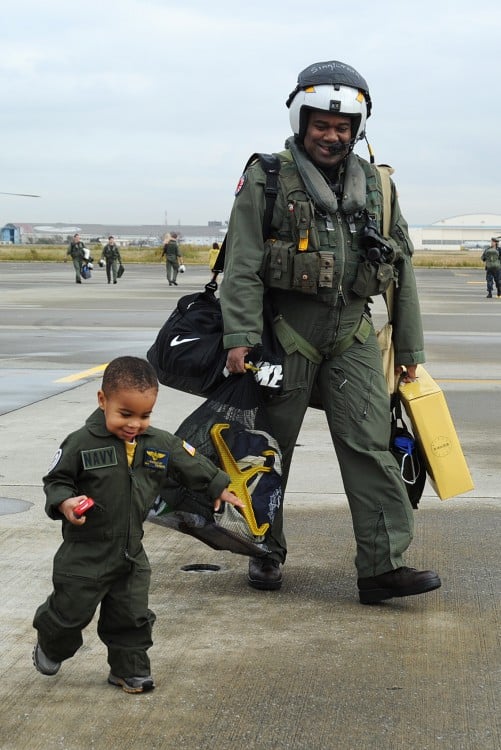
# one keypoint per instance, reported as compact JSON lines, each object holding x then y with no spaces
{"x":120,"y":111}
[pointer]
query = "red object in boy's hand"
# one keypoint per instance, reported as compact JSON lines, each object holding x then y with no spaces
{"x":83,"y":506}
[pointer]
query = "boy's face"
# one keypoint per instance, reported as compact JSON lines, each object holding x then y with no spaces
{"x":127,"y":412}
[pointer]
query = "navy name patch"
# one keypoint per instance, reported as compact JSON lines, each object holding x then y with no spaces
{"x":99,"y":458}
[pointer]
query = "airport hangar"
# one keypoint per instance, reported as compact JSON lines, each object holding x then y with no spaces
{"x":468,"y":232}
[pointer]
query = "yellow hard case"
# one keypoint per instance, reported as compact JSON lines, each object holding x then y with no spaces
{"x":433,"y":427}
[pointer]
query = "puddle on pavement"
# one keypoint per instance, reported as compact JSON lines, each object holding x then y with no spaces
{"x":9,"y":506}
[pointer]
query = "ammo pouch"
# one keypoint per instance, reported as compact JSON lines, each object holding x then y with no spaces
{"x":284,"y":267}
{"x":306,"y":272}
{"x":276,"y":270}
{"x":372,"y":278}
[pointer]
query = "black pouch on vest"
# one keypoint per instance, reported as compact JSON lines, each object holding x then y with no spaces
{"x":372,"y":279}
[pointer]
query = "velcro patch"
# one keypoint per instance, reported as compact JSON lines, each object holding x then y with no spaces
{"x":99,"y":458}
{"x":154,"y":459}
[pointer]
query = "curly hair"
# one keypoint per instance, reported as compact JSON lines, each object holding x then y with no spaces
{"x":129,"y":373}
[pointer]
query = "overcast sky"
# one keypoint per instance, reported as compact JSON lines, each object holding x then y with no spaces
{"x":145,"y":111}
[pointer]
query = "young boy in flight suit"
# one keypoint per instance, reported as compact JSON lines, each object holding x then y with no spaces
{"x":121,"y":462}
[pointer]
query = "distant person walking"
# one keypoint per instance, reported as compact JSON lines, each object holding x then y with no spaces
{"x":111,"y":256}
{"x":213,"y":253}
{"x":76,"y":250}
{"x":173,"y":258}
{"x":492,"y":259}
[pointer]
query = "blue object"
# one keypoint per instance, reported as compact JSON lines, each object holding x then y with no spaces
{"x":405,"y":444}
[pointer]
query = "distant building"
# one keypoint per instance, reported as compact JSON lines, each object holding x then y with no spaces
{"x":143,"y":235}
{"x":469,"y":232}
{"x":10,"y":234}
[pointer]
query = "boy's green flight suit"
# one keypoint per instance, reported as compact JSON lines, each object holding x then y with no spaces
{"x":103,"y":561}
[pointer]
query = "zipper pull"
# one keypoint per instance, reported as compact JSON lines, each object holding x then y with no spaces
{"x":341,"y":294}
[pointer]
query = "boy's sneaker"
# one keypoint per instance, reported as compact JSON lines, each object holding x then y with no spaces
{"x":43,"y":663}
{"x":132,"y":684}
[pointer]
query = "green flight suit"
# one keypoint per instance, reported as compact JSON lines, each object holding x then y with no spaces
{"x":111,"y":255}
{"x":310,"y":265}
{"x":77,"y":252}
{"x":103,"y":561}
{"x":172,"y":256}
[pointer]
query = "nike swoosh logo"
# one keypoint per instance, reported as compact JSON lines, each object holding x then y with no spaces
{"x":176,"y":340}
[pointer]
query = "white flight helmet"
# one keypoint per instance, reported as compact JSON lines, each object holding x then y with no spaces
{"x":333,"y":87}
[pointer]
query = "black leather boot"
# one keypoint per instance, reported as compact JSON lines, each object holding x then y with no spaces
{"x":399,"y":582}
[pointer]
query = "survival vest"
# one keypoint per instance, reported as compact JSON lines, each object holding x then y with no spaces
{"x":270,"y":164}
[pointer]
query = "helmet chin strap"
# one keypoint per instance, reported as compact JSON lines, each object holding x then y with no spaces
{"x":369,"y":149}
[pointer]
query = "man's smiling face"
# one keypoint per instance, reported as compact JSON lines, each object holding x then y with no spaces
{"x":326,"y":130}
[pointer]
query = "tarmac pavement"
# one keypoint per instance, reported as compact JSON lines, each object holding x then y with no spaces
{"x":304,"y":668}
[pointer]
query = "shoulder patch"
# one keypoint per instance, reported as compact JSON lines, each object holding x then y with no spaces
{"x":240,"y":184}
{"x":55,"y":460}
{"x":189,"y":448}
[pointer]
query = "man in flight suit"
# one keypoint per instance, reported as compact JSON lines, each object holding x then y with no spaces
{"x":76,"y":250}
{"x":492,"y":259}
{"x":323,"y":260}
{"x":173,"y":259}
{"x":111,"y":256}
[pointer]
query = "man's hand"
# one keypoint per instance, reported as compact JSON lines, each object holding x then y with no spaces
{"x":235,"y":361}
{"x":410,"y":373}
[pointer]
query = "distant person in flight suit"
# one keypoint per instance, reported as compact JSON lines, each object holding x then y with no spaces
{"x":492,"y":259}
{"x":111,"y":256}
{"x":76,"y":249}
{"x":173,"y":259}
